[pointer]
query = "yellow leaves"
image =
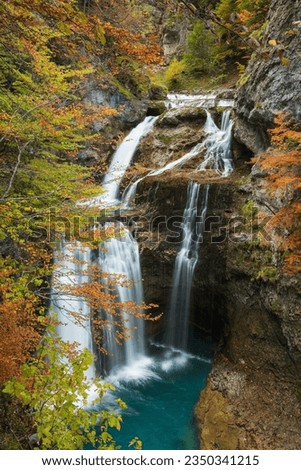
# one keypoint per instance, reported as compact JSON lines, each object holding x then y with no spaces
{"x":280,"y":48}
{"x":100,"y":34}
{"x":284,"y":60}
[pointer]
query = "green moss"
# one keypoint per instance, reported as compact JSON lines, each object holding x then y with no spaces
{"x":259,"y":33}
{"x":249,"y":209}
{"x":121,"y":88}
{"x":132,"y":80}
{"x":165,"y":139}
{"x":276,"y":306}
{"x":268,"y":274}
{"x":243,"y":180}
{"x":173,"y":73}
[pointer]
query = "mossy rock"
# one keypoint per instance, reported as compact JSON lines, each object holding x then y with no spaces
{"x":216,"y":422}
{"x":155,"y":108}
{"x":157,"y":92}
{"x":174,"y":116}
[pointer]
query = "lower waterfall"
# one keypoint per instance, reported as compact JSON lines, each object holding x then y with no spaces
{"x":186,"y":261}
{"x":121,"y":256}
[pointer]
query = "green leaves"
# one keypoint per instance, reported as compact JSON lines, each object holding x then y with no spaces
{"x":54,"y":386}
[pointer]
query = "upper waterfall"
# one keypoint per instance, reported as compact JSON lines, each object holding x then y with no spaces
{"x":218,"y":154}
{"x":120,"y":162}
{"x":216,"y":148}
{"x":180,"y":100}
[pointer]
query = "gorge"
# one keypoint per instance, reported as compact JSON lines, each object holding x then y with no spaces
{"x":141,"y":359}
{"x":150,"y":229}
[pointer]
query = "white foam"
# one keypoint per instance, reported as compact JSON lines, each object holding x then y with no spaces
{"x":138,"y":372}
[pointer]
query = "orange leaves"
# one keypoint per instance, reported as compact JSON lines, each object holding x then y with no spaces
{"x":145,"y":49}
{"x":286,"y":222}
{"x":245,"y":16}
{"x":282,"y":168}
{"x":285,"y":134}
{"x":99,"y":291}
{"x":283,"y":177}
{"x":283,"y":163}
{"x":18,"y":335}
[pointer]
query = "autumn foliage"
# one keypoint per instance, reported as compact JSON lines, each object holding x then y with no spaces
{"x":48,"y":52}
{"x":282,"y":164}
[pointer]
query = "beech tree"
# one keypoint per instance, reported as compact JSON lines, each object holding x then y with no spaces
{"x":48,"y":51}
{"x":56,"y":394}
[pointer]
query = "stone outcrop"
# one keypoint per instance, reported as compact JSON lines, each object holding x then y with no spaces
{"x":257,"y":371}
{"x":272,"y":77}
{"x":174,"y":34}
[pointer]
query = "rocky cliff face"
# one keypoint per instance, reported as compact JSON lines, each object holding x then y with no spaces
{"x":272,"y":77}
{"x":252,"y":399}
{"x":240,"y":295}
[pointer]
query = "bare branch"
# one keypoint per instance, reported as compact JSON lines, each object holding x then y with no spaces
{"x":21,"y":149}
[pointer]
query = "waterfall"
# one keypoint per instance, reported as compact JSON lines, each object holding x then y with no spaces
{"x":72,"y":262}
{"x":123,"y":157}
{"x":130,"y":191}
{"x":218,"y":154}
{"x":210,"y":127}
{"x":186,"y":261}
{"x":121,"y":256}
{"x":120,"y":162}
{"x":180,"y":100}
{"x":118,"y":255}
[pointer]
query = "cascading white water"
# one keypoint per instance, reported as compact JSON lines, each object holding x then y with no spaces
{"x":130,"y":191}
{"x":118,"y":255}
{"x":72,"y":262}
{"x":185,"y":264}
{"x":218,"y":145}
{"x":217,"y":156}
{"x":210,"y":127}
{"x":120,"y":162}
{"x":180,"y":100}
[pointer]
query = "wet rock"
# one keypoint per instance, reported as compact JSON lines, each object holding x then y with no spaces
{"x":174,"y":116}
{"x":157,"y":93}
{"x":133,"y":112}
{"x":155,"y":108}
